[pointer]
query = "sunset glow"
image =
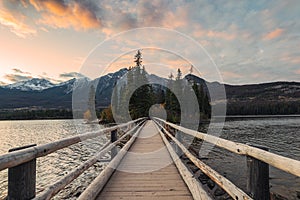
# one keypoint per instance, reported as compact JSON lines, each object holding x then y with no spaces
{"x":249,"y":41}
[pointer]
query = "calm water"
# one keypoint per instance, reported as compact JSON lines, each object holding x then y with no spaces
{"x":281,"y":135}
{"x":54,"y":166}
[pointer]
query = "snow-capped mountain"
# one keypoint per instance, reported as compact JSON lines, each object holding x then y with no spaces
{"x":30,"y":85}
{"x":37,"y":84}
{"x":43,"y":94}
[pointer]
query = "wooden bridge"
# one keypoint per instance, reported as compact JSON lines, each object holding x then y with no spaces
{"x":148,"y":166}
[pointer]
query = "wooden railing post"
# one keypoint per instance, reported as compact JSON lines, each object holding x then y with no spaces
{"x":258,"y":177}
{"x":179,"y":138}
{"x":22,"y":179}
{"x":113,"y":138}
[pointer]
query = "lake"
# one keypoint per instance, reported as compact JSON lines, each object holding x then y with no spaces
{"x":281,"y":135}
{"x":54,"y":166}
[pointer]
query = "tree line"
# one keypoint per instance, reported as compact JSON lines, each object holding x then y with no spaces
{"x":36,"y":114}
{"x":142,"y":95}
{"x":264,"y":108}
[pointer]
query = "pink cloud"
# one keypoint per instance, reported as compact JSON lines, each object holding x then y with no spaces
{"x":222,"y":35}
{"x":290,"y":59}
{"x":273,"y":34}
{"x":199,"y":32}
{"x":297,"y":71}
{"x":176,"y":20}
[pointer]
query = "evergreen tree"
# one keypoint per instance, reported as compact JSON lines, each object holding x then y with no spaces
{"x":182,"y":91}
{"x":172,"y":104}
{"x":142,"y":98}
{"x":90,"y":113}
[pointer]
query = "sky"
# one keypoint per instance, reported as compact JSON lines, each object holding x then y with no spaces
{"x":248,"y":41}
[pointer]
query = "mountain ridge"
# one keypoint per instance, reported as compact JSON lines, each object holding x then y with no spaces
{"x":241,"y":99}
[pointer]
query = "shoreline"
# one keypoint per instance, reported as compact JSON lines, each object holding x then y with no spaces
{"x":203,"y":121}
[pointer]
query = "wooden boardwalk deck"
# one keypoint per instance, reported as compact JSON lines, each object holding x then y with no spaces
{"x":146,"y":172}
{"x":145,"y":168}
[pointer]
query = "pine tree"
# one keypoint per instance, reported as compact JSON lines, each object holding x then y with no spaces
{"x":90,"y":112}
{"x":142,"y":98}
{"x":172,"y":103}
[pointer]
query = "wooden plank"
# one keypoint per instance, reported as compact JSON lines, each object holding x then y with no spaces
{"x":162,"y":183}
{"x":146,"y":193}
{"x":286,"y":164}
{"x":228,"y":186}
{"x":148,"y":198}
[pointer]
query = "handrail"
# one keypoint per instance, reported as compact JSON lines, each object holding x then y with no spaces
{"x":13,"y":159}
{"x":228,"y":186}
{"x":60,"y":184}
{"x":286,"y":164}
{"x":195,"y":187}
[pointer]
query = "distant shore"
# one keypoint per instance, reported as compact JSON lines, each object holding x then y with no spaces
{"x":228,"y":117}
{"x":261,"y":116}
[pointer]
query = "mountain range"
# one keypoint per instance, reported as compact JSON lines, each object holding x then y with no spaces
{"x":264,"y":98}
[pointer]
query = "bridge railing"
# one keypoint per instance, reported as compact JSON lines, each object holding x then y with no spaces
{"x":21,"y":162}
{"x":258,"y":160}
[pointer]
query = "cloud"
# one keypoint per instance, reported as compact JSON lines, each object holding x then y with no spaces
{"x":2,"y":83}
{"x":288,"y":58}
{"x":20,"y":18}
{"x":65,"y":14}
{"x":222,"y":35}
{"x":297,"y":71}
{"x":274,"y":34}
{"x":230,"y":75}
{"x":71,"y":75}
{"x":16,"y":77}
{"x":16,"y":70}
{"x":241,"y":36}
{"x":15,"y":22}
{"x":45,"y":76}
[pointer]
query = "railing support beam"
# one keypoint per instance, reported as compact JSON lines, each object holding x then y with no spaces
{"x":178,"y":136}
{"x":113,"y":138}
{"x":22,"y":179}
{"x":258,"y":177}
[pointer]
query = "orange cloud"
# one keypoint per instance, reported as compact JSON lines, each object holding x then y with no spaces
{"x":60,"y":15}
{"x":274,"y":34}
{"x":297,"y":71}
{"x":15,"y":22}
